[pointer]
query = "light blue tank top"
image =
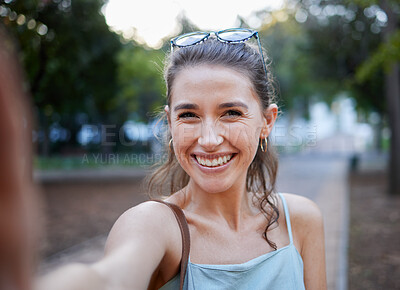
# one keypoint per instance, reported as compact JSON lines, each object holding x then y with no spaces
{"x":277,"y":270}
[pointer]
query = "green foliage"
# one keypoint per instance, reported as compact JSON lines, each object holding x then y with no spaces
{"x":69,"y":54}
{"x":339,"y":44}
{"x":140,"y":81}
{"x":72,"y":58}
{"x":368,"y":3}
{"x":385,"y":55}
{"x":285,"y":43}
{"x":363,"y":3}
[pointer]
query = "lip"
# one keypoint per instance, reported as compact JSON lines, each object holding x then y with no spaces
{"x":213,"y":156}
{"x":211,"y":170}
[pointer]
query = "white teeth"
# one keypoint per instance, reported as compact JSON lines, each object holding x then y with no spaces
{"x":214,"y":162}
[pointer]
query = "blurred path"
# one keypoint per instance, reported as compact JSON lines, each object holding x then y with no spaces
{"x":80,"y":208}
{"x":323,"y":179}
{"x":320,"y":174}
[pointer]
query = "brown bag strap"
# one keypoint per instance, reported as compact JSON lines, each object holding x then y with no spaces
{"x":183,"y":225}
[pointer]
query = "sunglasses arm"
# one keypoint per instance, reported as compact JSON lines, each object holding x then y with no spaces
{"x":262,"y":55}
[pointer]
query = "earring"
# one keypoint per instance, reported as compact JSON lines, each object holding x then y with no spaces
{"x":169,"y":145}
{"x":266,"y":144}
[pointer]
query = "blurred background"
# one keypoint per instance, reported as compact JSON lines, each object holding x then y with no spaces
{"x":94,"y":71}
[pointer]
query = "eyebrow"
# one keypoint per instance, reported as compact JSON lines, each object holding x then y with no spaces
{"x":233,"y":104}
{"x":190,"y":106}
{"x":186,"y":106}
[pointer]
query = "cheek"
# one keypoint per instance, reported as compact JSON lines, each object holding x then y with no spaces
{"x":184,"y":136}
{"x":243,"y":135}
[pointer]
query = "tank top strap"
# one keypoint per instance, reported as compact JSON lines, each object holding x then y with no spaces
{"x":287,"y":217}
{"x":184,"y":227}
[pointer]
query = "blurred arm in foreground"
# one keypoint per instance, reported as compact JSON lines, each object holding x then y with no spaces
{"x":18,"y":202}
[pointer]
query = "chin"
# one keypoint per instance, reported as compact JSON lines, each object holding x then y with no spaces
{"x":213,"y":187}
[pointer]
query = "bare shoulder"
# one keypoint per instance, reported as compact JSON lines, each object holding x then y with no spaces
{"x":147,"y":220}
{"x":302,"y":209}
{"x":306,"y":220}
{"x":308,"y":233}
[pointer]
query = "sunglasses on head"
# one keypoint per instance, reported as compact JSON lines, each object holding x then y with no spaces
{"x":231,"y":35}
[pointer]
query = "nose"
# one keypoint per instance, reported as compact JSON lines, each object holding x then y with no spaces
{"x":209,"y":138}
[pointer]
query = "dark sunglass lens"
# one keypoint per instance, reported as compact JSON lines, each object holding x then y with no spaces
{"x":232,"y":35}
{"x":189,"y":39}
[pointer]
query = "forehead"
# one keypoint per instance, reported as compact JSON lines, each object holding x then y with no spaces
{"x":212,"y":84}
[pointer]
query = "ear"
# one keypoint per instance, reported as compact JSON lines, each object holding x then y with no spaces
{"x":167,"y":111}
{"x":270,"y":115}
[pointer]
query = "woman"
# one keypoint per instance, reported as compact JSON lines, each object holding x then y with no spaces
{"x":221,"y":171}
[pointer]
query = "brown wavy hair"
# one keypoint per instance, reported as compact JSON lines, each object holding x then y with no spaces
{"x":244,"y":58}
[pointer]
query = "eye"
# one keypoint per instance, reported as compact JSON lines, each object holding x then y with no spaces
{"x":186,"y":115}
{"x":233,"y":113}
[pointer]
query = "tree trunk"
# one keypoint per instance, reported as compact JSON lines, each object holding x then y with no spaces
{"x":392,"y":92}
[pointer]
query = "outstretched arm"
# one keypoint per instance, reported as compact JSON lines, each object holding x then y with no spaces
{"x":18,"y":200}
{"x":136,"y":246}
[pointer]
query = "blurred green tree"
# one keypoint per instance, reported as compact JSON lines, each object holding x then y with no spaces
{"x":285,"y":43}
{"x":341,"y":39}
{"x":69,"y":55}
{"x":386,"y":58}
{"x":140,"y":81}
{"x":355,"y":44}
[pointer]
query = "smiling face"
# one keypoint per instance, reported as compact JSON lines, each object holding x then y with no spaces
{"x":216,"y":122}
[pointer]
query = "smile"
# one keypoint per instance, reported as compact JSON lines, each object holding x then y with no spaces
{"x":214,"y":162}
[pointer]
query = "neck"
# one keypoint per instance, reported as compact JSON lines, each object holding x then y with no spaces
{"x":231,"y":206}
